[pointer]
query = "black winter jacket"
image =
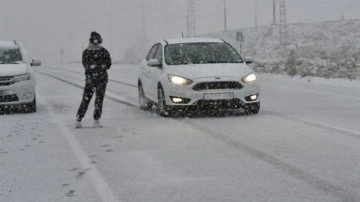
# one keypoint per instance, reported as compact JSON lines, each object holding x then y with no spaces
{"x":96,"y":61}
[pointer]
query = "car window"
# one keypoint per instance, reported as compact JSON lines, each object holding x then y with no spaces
{"x":201,"y":53}
{"x":151,"y":54}
{"x":158,"y":54}
{"x":10,"y":55}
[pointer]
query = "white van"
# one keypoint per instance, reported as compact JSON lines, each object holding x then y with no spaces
{"x":17,"y":79}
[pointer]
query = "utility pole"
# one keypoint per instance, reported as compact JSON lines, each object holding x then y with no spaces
{"x":225,"y":16}
{"x":110,"y":16}
{"x":191,"y":18}
{"x":62,"y":53}
{"x":274,"y":12}
{"x":283,"y":30}
{"x":144,"y":40}
{"x":82,"y":21}
{"x":256,"y":10}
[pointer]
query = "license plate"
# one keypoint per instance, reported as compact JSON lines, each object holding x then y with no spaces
{"x":218,"y":96}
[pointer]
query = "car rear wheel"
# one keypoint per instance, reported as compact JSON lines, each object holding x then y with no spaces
{"x":144,"y":103}
{"x":162,"y":107}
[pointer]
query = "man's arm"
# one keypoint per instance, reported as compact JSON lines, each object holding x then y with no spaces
{"x":85,"y":60}
{"x":107,"y":59}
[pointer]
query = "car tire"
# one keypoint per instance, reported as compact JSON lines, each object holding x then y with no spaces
{"x":144,"y":103}
{"x":31,"y":108}
{"x":162,"y":107}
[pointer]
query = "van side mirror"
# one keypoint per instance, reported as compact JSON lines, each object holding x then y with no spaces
{"x":154,"y":63}
{"x":35,"y":63}
{"x":249,"y":60}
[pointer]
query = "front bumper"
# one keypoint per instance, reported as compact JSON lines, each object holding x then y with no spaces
{"x":214,"y":106}
{"x":18,"y":93}
{"x":199,"y":99}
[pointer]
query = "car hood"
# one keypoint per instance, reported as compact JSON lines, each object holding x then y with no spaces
{"x":13,"y":69}
{"x":197,"y":71}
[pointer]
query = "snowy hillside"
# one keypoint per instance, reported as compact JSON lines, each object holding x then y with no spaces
{"x":327,"y":49}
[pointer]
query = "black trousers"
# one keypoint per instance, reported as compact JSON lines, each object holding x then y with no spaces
{"x":89,"y":90}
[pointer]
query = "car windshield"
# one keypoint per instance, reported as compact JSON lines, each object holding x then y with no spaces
{"x":10,"y":55}
{"x":201,"y":53}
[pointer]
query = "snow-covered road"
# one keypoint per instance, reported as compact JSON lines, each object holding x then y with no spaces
{"x":304,"y":145}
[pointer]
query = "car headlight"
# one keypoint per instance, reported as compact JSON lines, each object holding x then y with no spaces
{"x":21,"y":78}
{"x":178,"y":80}
{"x":249,"y":78}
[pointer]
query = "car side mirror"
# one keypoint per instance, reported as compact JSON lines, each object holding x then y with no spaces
{"x":154,"y":63}
{"x":249,"y":60}
{"x":35,"y":63}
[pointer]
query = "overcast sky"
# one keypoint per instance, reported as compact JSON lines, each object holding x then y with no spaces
{"x":46,"y":26}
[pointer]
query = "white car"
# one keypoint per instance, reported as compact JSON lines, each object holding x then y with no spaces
{"x":17,"y":79}
{"x":196,"y":74}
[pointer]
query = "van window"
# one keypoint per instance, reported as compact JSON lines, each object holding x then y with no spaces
{"x":9,"y":55}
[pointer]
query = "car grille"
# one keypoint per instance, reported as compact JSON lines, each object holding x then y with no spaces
{"x":219,"y":104}
{"x":9,"y":98}
{"x":217,"y":85}
{"x":6,"y":80}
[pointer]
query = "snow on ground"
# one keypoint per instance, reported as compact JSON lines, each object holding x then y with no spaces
{"x":302,"y":146}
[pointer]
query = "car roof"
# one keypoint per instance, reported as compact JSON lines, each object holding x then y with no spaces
{"x":10,"y":43}
{"x":193,"y":40}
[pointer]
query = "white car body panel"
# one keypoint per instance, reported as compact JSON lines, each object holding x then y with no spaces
{"x":195,"y":71}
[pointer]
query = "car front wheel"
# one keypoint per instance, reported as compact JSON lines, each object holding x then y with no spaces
{"x":162,"y":107}
{"x":144,"y":103}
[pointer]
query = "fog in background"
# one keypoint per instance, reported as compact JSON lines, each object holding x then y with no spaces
{"x":48,"y":26}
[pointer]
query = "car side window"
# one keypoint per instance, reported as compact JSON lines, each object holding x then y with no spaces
{"x":158,"y":54}
{"x":152,"y":52}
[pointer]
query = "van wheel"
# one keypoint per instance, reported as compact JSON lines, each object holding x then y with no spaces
{"x":31,"y":108}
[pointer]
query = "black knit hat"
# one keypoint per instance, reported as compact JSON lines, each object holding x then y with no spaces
{"x":95,"y":38}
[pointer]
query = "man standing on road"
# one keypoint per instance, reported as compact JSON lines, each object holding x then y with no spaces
{"x":96,"y":61}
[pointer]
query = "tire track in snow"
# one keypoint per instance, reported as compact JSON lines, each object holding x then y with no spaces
{"x":343,"y":131}
{"x":291,"y":170}
{"x":114,"y":97}
{"x":313,"y":92}
{"x":312,"y":180}
{"x":102,"y":188}
{"x":111,"y":80}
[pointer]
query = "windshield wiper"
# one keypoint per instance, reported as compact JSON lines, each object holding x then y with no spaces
{"x":15,"y":62}
{"x":221,"y":61}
